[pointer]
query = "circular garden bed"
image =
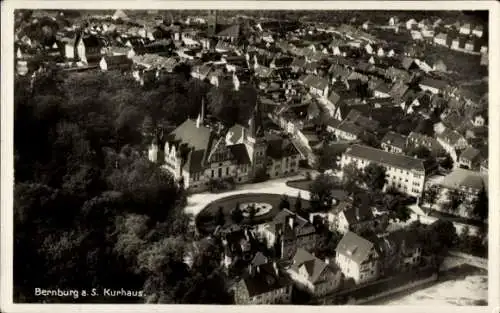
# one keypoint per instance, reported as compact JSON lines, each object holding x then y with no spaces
{"x":267,"y":206}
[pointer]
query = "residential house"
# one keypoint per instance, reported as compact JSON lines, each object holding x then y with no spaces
{"x":452,"y":142}
{"x":393,"y":21}
{"x":416,"y":35}
{"x":470,"y":158}
{"x":344,"y":130}
{"x":458,"y":43}
{"x":265,"y":284}
{"x":415,"y":139}
{"x":465,"y":29}
{"x":357,"y":258}
{"x":411,"y":24}
{"x":441,"y":39}
{"x":469,"y":45}
{"x":425,"y":23}
{"x":382,"y":90}
{"x":393,"y":142}
{"x":367,"y":25}
{"x":436,"y":86}
{"x":121,"y":62}
{"x":317,"y":85}
{"x":399,"y":251}
{"x":439,"y":66}
{"x":405,"y":173}
{"x":468,"y":183}
{"x":201,"y":71}
{"x":288,"y":232}
{"x":355,"y":218}
{"x":478,"y":31}
{"x":313,"y":275}
{"x":232,"y":33}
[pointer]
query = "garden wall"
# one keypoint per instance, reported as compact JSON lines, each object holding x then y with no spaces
{"x":471,"y":259}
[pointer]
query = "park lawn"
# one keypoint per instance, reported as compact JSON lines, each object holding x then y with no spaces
{"x":205,"y":220}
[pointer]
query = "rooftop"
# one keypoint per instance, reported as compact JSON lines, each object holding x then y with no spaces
{"x":386,"y":158}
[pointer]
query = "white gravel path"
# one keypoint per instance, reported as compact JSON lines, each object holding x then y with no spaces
{"x":197,"y":202}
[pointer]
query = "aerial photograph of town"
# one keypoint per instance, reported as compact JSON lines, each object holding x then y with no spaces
{"x":251,"y":157}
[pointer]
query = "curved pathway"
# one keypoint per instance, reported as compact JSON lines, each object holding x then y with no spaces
{"x":196,"y":202}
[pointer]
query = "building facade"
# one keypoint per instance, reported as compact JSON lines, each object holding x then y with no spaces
{"x":405,"y":173}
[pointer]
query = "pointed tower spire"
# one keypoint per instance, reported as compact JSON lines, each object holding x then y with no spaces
{"x":255,"y":123}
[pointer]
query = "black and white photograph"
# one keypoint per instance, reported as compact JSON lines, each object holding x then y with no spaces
{"x":250,"y":156}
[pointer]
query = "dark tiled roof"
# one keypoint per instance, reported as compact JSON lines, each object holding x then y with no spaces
{"x":354,"y":247}
{"x":386,"y":158}
{"x":280,"y":148}
{"x":240,"y":153}
{"x":358,"y":214}
{"x":435,"y":83}
{"x":265,"y":280}
{"x":117,"y":60}
{"x":450,"y":136}
{"x":394,"y":139}
{"x":232,"y":31}
{"x":314,"y":266}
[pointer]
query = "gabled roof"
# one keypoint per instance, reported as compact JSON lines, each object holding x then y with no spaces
{"x":280,"y":148}
{"x":449,"y":136}
{"x":265,"y":280}
{"x":385,"y":158}
{"x":460,"y":177}
{"x":394,"y":139}
{"x":354,"y":247}
{"x":314,"y":266}
{"x":435,"y":83}
{"x":232,"y":32}
{"x":358,"y":214}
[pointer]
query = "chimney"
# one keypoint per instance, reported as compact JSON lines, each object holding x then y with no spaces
{"x":275,"y":267}
{"x":327,"y":260}
{"x":258,"y":269}
{"x":357,"y":212}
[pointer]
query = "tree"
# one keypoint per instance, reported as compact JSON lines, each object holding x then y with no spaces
{"x":352,"y":177}
{"x":455,"y":198}
{"x":252,"y":212}
{"x":284,"y":202}
{"x":374,"y":176}
{"x":446,"y":162}
{"x":298,"y":203}
{"x":220,"y":219}
{"x":430,"y":195}
{"x":321,"y":190}
{"x":397,"y":208}
{"x":237,"y":215}
{"x":480,"y":205}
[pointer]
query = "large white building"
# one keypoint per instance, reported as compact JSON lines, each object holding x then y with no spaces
{"x":405,"y":173}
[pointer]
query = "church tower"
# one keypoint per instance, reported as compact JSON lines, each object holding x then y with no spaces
{"x":255,"y":141}
{"x":212,"y":22}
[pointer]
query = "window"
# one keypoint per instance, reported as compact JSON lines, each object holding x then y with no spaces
{"x":239,"y":179}
{"x":213,"y":173}
{"x":227,"y":170}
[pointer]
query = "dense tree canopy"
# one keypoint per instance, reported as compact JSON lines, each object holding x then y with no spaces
{"x":89,"y":210}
